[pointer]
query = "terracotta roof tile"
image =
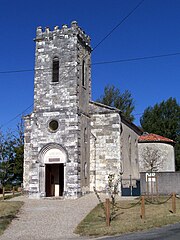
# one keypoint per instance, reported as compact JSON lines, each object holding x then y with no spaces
{"x":151,"y":137}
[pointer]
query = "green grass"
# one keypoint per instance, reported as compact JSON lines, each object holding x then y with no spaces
{"x":9,"y":196}
{"x":128,"y":220}
{"x":8,"y":211}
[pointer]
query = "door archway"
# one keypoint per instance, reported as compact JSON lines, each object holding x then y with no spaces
{"x":53,"y":159}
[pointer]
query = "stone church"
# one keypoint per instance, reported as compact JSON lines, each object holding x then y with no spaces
{"x":72,"y":144}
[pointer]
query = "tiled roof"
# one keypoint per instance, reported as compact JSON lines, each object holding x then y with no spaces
{"x":150,"y":137}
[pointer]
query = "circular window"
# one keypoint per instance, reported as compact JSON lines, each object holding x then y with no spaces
{"x":53,"y":125}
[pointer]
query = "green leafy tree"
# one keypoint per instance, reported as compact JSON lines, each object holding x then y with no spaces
{"x":164,"y":119}
{"x":6,"y":158}
{"x":114,"y":98}
{"x":19,"y":154}
{"x":11,"y":157}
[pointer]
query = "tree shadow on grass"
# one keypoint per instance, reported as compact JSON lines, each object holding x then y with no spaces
{"x":5,"y":221}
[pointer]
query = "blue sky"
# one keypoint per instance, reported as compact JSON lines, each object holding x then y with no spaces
{"x":153,"y":29}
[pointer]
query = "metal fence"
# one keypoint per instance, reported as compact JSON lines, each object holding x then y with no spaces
{"x":130,"y":187}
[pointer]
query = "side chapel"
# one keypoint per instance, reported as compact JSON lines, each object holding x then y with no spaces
{"x":72,"y":143}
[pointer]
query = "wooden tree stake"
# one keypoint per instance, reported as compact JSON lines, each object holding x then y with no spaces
{"x":142,"y":207}
{"x":174,"y":202}
{"x":3,"y":192}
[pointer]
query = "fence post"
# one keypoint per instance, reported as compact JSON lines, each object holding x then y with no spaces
{"x":3,"y":192}
{"x":174,"y":202}
{"x":13,"y":191}
{"x":107,"y":212}
{"x":147,"y":185}
{"x":142,"y":207}
{"x":152,"y":188}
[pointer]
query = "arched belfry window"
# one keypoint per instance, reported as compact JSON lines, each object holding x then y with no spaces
{"x":55,"y":70}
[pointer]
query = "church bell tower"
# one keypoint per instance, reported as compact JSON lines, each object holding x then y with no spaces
{"x":57,"y":132}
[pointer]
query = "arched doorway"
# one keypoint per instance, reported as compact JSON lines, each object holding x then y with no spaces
{"x":53,"y":174}
{"x":54,"y":185}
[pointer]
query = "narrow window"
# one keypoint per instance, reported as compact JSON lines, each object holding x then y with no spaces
{"x":85,"y":170}
{"x":129,"y":140}
{"x":55,"y":74}
{"x":83,"y":73}
{"x":136,"y":151}
{"x":85,"y":135}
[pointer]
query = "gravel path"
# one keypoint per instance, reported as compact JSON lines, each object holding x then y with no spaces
{"x":47,"y":219}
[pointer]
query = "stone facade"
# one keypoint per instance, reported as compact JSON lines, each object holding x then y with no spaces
{"x":73,"y":144}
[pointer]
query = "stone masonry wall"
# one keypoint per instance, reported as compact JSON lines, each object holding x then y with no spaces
{"x":104,"y":149}
{"x":166,"y":161}
{"x":167,"y":183}
{"x":84,"y":145}
{"x":27,"y":153}
{"x":129,"y":151}
{"x":66,"y":44}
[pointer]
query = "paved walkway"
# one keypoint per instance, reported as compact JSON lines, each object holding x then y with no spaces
{"x":47,"y":219}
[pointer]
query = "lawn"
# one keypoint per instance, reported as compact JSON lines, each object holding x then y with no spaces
{"x":9,"y":196}
{"x":8,"y":211}
{"x":129,"y":220}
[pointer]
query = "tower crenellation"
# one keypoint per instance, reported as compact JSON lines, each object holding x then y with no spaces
{"x":42,"y":34}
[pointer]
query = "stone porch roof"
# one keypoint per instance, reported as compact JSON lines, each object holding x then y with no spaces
{"x":96,"y":107}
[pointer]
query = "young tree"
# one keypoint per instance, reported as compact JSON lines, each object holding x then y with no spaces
{"x":164,"y":119}
{"x":152,"y":159}
{"x":114,"y":98}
